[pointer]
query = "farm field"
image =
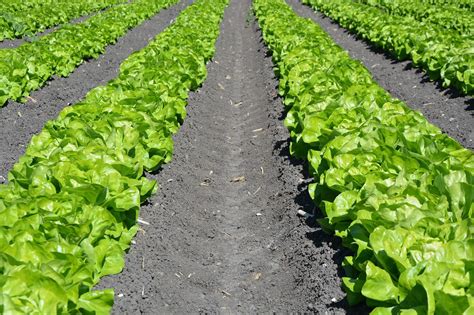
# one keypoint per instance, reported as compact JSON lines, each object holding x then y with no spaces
{"x":20,"y":18}
{"x":232,"y":156}
{"x":444,"y":53}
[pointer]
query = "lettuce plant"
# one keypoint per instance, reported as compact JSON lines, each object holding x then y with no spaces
{"x":444,"y":54}
{"x":70,"y":208}
{"x":397,"y":191}
{"x":450,"y":17}
{"x":19,"y":18}
{"x":27,"y":67}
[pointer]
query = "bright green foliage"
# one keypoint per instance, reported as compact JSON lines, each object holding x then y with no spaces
{"x":395,"y":189}
{"x":443,"y":54}
{"x":446,"y":16}
{"x":29,"y":66}
{"x":19,"y":18}
{"x":463,"y":4}
{"x":69,"y":211}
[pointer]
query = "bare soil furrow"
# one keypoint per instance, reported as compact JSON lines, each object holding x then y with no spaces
{"x":223,"y":235}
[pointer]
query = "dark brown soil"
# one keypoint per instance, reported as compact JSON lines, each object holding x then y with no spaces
{"x":445,"y":108}
{"x":222,"y":235}
{"x":215,"y":245}
{"x":19,"y":122}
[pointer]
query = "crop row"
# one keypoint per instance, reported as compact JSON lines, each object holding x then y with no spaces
{"x":449,"y":17}
{"x":463,"y":4}
{"x":395,"y":189}
{"x":19,"y":18}
{"x":443,"y":54}
{"x":70,"y":208}
{"x":29,"y":66}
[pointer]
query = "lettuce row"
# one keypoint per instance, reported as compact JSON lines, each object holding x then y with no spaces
{"x":449,"y":17}
{"x":19,"y":18}
{"x":443,"y":54}
{"x":395,"y":189}
{"x":29,"y":66}
{"x":463,"y":4}
{"x":70,"y":208}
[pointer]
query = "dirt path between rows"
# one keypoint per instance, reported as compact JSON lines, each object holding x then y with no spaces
{"x":452,"y":113}
{"x":222,"y":235}
{"x":19,"y":122}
